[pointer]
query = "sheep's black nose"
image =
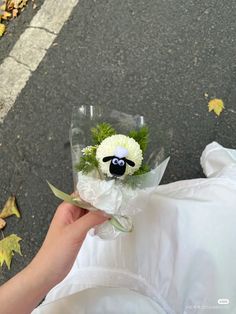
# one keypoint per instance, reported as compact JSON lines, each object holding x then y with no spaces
{"x":117,"y":170}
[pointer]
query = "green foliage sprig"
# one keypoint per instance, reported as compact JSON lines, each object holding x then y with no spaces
{"x":102,"y":131}
{"x":141,"y":136}
{"x":88,"y":161}
{"x":142,"y":170}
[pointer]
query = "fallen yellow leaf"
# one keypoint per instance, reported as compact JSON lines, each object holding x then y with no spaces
{"x":14,"y":13}
{"x":10,"y":208}
{"x":216,"y":105}
{"x":2,"y":29}
{"x":8,"y":246}
{"x":10,"y":9}
{"x":2,"y":223}
{"x":9,"y":5}
{"x":6,"y":15}
{"x":2,"y":5}
{"x":17,"y":4}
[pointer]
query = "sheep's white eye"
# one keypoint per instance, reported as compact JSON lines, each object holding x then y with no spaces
{"x":121,"y":163}
{"x":114,"y":161}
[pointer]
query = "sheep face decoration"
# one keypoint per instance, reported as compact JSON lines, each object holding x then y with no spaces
{"x":119,"y":155}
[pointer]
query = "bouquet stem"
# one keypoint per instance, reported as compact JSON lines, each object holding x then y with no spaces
{"x":77,"y":201}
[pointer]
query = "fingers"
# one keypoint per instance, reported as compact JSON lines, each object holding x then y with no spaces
{"x":67,"y":206}
{"x":66,"y":214}
{"x":80,"y":227}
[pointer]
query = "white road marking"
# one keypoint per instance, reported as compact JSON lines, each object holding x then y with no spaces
{"x":30,"y":49}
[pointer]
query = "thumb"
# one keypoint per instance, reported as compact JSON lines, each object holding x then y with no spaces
{"x":81,"y":226}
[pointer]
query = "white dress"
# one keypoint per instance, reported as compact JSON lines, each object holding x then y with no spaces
{"x":180,"y":257}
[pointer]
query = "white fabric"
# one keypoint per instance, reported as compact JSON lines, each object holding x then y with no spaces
{"x":102,"y":300}
{"x":182,"y":252}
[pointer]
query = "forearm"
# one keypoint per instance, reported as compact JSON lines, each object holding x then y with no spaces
{"x":54,"y":260}
{"x":25,"y":291}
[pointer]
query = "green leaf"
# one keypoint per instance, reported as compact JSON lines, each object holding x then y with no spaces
{"x":142,"y":170}
{"x":118,"y":225}
{"x":80,"y":203}
{"x":102,"y":131}
{"x":62,"y":196}
{"x":141,"y":136}
{"x":87,"y":163}
{"x":74,"y":200}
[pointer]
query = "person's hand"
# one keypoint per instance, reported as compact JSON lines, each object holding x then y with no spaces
{"x":65,"y":236}
{"x":54,"y":260}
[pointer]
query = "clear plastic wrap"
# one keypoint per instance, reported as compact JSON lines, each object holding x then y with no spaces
{"x":120,"y":198}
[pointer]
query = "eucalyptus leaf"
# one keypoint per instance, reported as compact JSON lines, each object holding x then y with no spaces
{"x":76,"y":200}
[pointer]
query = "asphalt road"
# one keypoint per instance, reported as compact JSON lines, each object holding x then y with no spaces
{"x":157,"y":58}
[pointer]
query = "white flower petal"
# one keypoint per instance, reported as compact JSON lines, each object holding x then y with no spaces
{"x":109,"y":147}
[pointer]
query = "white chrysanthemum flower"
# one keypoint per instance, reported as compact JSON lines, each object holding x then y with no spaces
{"x":119,"y":155}
{"x":88,"y":150}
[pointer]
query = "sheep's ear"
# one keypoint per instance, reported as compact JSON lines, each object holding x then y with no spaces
{"x":130,"y":163}
{"x":105,"y":159}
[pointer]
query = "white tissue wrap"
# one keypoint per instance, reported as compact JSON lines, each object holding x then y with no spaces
{"x":118,"y":198}
{"x":110,"y":196}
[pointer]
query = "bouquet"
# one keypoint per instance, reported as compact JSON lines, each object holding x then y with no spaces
{"x":116,"y":164}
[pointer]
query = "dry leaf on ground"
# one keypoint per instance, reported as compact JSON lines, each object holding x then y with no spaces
{"x":6,"y":15}
{"x":15,"y":13}
{"x":216,"y":105}
{"x":2,"y":6}
{"x":17,"y":4}
{"x":2,"y":29}
{"x":2,"y":223}
{"x":10,"y":208}
{"x":10,"y":9}
{"x":8,"y":246}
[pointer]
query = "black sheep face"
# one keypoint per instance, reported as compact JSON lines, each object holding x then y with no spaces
{"x":118,"y":165}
